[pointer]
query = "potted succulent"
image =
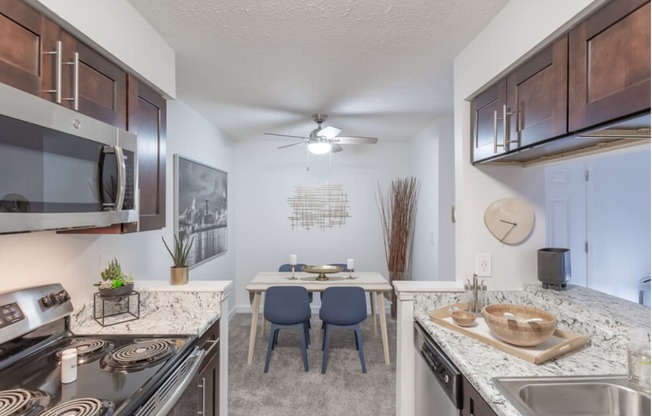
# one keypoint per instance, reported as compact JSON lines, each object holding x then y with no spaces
{"x":179,"y":272}
{"x":114,"y":281}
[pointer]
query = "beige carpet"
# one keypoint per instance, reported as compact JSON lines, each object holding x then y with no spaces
{"x":287,"y":390}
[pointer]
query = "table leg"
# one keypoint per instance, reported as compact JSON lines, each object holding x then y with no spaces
{"x":373,"y":311}
{"x":255,"y":306}
{"x":383,"y":325}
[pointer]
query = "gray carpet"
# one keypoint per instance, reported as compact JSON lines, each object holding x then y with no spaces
{"x":287,"y":390}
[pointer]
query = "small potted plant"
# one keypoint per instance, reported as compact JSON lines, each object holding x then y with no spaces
{"x":114,"y":281}
{"x":179,"y":272}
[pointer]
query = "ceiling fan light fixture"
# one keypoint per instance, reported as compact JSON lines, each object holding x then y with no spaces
{"x":319,"y":148}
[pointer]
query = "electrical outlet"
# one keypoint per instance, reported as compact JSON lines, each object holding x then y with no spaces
{"x":483,"y":265}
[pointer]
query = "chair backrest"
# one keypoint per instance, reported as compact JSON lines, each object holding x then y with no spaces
{"x":288,"y":268}
{"x":343,"y":305}
{"x":287,"y":305}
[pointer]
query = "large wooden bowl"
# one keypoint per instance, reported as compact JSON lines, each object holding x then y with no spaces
{"x":519,"y":332}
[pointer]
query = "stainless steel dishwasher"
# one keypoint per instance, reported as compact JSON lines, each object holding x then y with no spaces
{"x":438,"y":383}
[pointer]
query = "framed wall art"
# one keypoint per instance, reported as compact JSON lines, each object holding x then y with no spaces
{"x":200,"y":208}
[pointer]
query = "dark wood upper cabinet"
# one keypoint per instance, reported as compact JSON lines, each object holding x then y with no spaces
{"x":537,"y":97}
{"x":101,"y":85}
{"x":24,"y":47}
{"x":609,"y":64}
{"x":486,"y":122}
{"x":147,"y":119}
{"x":38,"y":57}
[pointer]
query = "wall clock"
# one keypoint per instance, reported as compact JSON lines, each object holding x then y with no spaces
{"x":510,"y":220}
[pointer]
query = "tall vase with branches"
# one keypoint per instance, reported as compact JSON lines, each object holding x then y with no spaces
{"x":398,"y":210}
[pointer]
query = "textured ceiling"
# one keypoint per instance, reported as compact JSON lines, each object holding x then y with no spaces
{"x":379,"y":68}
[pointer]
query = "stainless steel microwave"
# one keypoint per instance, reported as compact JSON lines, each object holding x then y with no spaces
{"x":60,"y":169}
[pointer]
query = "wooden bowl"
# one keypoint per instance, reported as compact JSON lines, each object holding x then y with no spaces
{"x":463,"y":318}
{"x":519,"y":332}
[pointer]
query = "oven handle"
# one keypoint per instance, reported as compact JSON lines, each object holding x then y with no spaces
{"x":198,"y":356}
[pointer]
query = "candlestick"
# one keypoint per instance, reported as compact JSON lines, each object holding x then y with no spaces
{"x":350,"y":265}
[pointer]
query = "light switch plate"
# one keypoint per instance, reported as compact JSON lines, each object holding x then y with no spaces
{"x":483,"y":265}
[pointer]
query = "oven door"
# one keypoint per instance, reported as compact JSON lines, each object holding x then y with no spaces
{"x":179,"y":391}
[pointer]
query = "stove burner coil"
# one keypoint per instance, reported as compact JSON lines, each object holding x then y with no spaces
{"x":21,"y":402}
{"x":87,"y":349}
{"x":139,"y":355}
{"x":81,"y":407}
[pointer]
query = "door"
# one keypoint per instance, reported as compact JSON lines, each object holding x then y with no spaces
{"x":147,"y":118}
{"x":536,"y":94}
{"x":600,"y":209}
{"x":609,"y":64}
{"x":487,"y":138}
{"x":566,"y":214}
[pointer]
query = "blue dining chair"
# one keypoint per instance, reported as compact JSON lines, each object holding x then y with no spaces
{"x":343,"y":308}
{"x":297,"y":268}
{"x":287,"y":307}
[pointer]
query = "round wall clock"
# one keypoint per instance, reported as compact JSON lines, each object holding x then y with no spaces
{"x":510,"y":220}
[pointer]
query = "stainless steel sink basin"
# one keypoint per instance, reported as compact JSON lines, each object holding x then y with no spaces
{"x":573,"y":396}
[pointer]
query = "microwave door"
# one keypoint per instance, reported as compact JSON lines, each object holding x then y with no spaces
{"x":112,"y":178}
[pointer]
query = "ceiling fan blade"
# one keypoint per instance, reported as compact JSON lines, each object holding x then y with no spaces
{"x":285,"y":135}
{"x":329,"y":132}
{"x":356,"y":140}
{"x":290,"y":145}
{"x":336,"y":148}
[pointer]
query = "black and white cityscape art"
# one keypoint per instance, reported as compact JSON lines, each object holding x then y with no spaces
{"x":201,"y":209}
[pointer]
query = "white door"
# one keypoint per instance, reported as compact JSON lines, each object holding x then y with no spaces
{"x":566,"y":214}
{"x":602,"y":204}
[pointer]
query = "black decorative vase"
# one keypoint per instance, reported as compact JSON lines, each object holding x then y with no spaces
{"x":120,"y":291}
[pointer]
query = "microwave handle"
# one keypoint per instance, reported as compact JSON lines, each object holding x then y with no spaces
{"x":122,"y":177}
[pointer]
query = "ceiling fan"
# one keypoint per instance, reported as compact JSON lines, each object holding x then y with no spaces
{"x":325,"y":139}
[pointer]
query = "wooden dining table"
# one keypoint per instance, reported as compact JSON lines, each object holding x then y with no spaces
{"x":372,"y":282}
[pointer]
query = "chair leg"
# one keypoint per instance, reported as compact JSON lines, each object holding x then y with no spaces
{"x":358,"y":339}
{"x":304,"y":348}
{"x":270,"y":346}
{"x":355,"y":337}
{"x":323,"y":336}
{"x":306,"y":329}
{"x":274,"y":334}
{"x":327,"y":335}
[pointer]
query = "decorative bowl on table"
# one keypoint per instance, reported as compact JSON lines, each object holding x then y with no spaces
{"x":321,"y":270}
{"x":521,"y":325}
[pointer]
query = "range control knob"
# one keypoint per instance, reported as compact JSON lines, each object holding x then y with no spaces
{"x":62,"y":297}
{"x":46,"y":301}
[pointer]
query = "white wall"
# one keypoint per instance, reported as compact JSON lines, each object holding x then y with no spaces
{"x":516,"y":30}
{"x":430,"y":161}
{"x":267,"y":176}
{"x":74,"y":260}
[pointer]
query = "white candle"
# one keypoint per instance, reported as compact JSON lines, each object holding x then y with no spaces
{"x":349,"y":264}
{"x":293,"y":259}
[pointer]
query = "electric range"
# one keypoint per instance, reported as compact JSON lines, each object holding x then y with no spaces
{"x":141,"y":375}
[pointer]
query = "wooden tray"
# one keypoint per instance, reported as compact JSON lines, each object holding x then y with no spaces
{"x":559,"y":343}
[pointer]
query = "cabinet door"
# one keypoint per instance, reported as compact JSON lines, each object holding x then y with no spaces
{"x":147,"y":118}
{"x":486,"y":130}
{"x":210,"y":371}
{"x":609,"y":64}
{"x":473,"y":403}
{"x":23,"y":33}
{"x":101,"y":85}
{"x":537,"y":94}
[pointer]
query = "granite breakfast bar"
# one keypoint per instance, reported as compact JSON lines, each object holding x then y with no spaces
{"x":603,"y":318}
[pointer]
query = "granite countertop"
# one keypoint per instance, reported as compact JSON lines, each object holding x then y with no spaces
{"x":164,"y":309}
{"x":604,"y":319}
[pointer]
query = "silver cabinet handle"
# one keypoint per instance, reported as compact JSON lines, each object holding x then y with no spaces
{"x":202,"y":386}
{"x":75,"y":81}
{"x":57,"y":72}
{"x":506,"y":133}
{"x":496,"y":145}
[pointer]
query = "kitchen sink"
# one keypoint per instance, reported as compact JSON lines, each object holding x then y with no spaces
{"x":573,"y":396}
